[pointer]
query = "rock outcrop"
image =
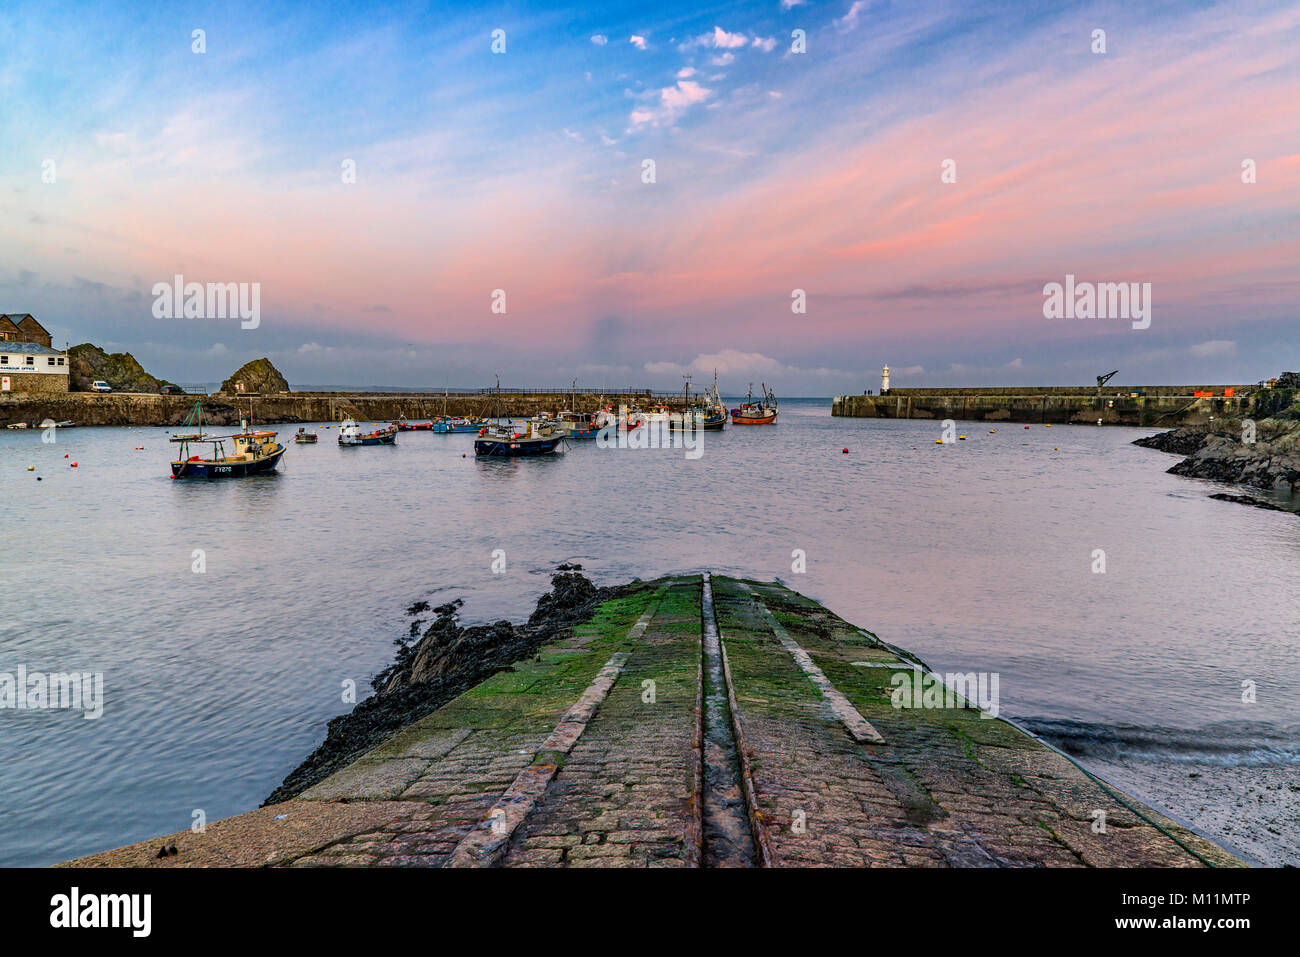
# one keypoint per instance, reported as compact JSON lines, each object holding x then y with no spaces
{"x":258,"y":377}
{"x":1227,"y":454}
{"x":87,"y":362}
{"x":446,"y":661}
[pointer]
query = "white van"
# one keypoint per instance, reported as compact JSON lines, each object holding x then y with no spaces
{"x":99,"y":385}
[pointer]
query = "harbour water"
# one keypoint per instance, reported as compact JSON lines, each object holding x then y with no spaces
{"x":228,"y":617}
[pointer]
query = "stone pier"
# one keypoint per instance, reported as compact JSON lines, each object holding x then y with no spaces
{"x":600,"y":752}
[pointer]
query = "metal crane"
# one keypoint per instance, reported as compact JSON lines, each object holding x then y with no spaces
{"x":1103,"y":379}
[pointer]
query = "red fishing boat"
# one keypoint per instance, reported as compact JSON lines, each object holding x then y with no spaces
{"x":756,"y":413}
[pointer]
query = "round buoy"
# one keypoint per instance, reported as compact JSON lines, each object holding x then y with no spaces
{"x":38,"y":478}
{"x":31,"y":468}
{"x":938,"y":441}
{"x":74,"y":465}
{"x":462,"y":455}
{"x":993,"y":431}
{"x":1047,"y":425}
{"x":65,"y":455}
{"x":962,"y":438}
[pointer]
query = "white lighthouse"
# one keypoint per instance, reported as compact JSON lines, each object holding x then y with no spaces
{"x":884,"y":381}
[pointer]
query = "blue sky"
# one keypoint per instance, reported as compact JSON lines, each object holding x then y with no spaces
{"x":775,"y":171}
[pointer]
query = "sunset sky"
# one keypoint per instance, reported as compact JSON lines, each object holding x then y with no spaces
{"x":774,"y":171}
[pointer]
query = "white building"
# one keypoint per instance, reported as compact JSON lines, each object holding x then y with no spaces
{"x":32,"y":367}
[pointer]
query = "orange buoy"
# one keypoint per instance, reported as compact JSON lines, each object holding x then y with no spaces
{"x":74,"y":465}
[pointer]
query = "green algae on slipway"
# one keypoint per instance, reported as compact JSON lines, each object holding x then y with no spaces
{"x":599,"y":752}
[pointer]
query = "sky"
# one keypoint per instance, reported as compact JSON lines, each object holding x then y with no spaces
{"x":919,"y":171}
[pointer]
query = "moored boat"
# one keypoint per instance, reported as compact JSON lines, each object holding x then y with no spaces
{"x":756,"y":413}
{"x":403,"y":426}
{"x":254,"y":453}
{"x":350,"y":434}
{"x":303,"y":437}
{"x":578,"y":425}
{"x":456,"y":424}
{"x":535,"y":438}
{"x":715,"y":410}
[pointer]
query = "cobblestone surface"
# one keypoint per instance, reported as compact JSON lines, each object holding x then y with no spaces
{"x":621,"y":788}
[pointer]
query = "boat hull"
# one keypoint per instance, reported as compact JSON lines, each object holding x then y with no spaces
{"x":738,"y":419}
{"x":445,"y":429}
{"x":214,"y":470}
{"x":515,"y":448}
{"x":414,"y":426}
{"x":389,"y":439}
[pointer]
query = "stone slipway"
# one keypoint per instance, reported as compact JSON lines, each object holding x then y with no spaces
{"x":598,"y":755}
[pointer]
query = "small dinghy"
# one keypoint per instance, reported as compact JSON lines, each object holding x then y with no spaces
{"x":303,"y":437}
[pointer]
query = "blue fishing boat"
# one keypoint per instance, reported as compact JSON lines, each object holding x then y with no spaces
{"x":456,"y":425}
{"x":532,"y":438}
{"x":578,"y":425}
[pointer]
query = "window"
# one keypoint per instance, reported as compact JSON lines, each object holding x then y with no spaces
{"x":50,"y":361}
{"x":4,"y":360}
{"x":31,"y":360}
{"x":60,"y":360}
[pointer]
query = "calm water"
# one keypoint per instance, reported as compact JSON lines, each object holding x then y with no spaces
{"x":976,"y":555}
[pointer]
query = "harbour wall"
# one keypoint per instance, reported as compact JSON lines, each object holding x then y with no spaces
{"x":1156,"y":406}
{"x":138,"y":409}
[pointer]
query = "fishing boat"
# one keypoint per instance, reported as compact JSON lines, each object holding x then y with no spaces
{"x":16,"y":425}
{"x":756,"y":413}
{"x":403,"y":426}
{"x":578,"y":425}
{"x":534,"y":437}
{"x":350,"y":434}
{"x":253,"y":453}
{"x":303,"y":437}
{"x":706,"y":413}
{"x":715,"y":410}
{"x":457,"y":424}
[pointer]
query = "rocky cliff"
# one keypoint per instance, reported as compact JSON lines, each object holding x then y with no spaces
{"x":258,"y":377}
{"x":87,"y":362}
